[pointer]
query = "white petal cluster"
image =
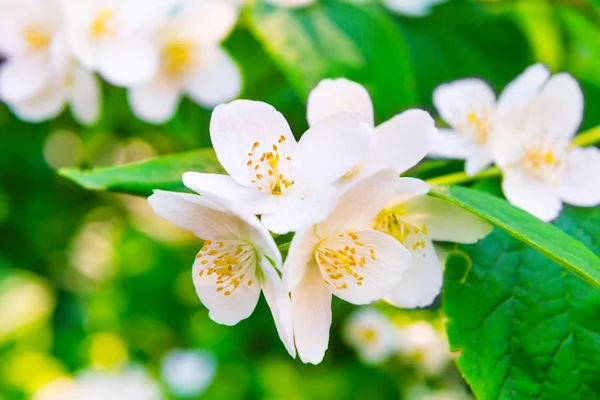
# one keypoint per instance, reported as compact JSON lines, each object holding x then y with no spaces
{"x":362,"y":233}
{"x":159,"y":49}
{"x":527,"y":132}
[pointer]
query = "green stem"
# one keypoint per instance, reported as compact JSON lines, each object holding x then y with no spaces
{"x":586,"y":138}
{"x":284,"y":246}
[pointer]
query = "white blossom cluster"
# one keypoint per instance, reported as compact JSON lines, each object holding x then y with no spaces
{"x":527,"y":133}
{"x":159,"y":50}
{"x":362,"y":233}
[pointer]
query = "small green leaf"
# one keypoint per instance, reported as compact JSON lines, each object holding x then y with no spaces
{"x":142,"y":177}
{"x":331,"y":39}
{"x":525,"y":328}
{"x":548,"y":239}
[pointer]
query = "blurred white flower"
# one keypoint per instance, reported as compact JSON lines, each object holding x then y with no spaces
{"x":416,"y":220}
{"x":541,"y":169}
{"x":469,"y":106}
{"x":273,"y":175}
{"x":113,"y":37}
{"x":69,"y":84}
{"x":340,"y":257}
{"x":191,"y":61}
{"x":133,"y":383}
{"x":188,"y":373}
{"x":57,"y":389}
{"x":372,"y":334}
{"x":238,"y":259}
{"x":411,"y":8}
{"x":27,"y":31}
{"x":398,"y":143}
{"x":420,"y":342}
{"x":291,"y":3}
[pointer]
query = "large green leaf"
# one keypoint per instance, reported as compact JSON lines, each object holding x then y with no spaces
{"x":142,"y":177}
{"x":336,"y":39}
{"x":548,"y":239}
{"x":525,"y":328}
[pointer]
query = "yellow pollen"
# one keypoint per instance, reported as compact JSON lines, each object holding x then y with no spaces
{"x":36,"y":38}
{"x":100,"y":26}
{"x":177,"y":59}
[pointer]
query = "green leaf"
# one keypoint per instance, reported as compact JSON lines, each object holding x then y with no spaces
{"x":142,"y":177}
{"x":525,"y":328}
{"x":548,"y":239}
{"x":337,"y":39}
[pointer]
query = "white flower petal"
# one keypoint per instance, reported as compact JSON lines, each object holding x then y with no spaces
{"x":408,"y":188}
{"x":581,"y":184}
{"x":23,"y":79}
{"x":330,"y":149}
{"x":47,"y":104}
{"x":557,"y":110}
{"x":311,"y":311}
{"x":331,"y":96}
{"x":532,"y":195}
{"x":217,"y":81}
{"x":377,"y":264}
{"x":411,"y":8}
{"x":218,"y":187}
{"x":154,"y":102}
{"x":522,"y":89}
{"x":84,"y":96}
{"x":445,"y":221}
{"x":129,"y":62}
{"x":196,"y":214}
{"x":278,"y":299}
{"x":478,"y":160}
{"x":450,"y":144}
{"x":237,"y":126}
{"x":455,"y":100}
{"x":205,"y":21}
{"x":401,"y":142}
{"x":360,"y":203}
{"x":422,"y":282}
{"x":298,"y":211}
{"x":300,"y":254}
{"x":226,"y":309}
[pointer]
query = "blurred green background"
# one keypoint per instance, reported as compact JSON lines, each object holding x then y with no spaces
{"x":90,"y":279}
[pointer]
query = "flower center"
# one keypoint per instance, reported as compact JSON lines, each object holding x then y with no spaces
{"x":101,"y":25}
{"x":368,"y":335}
{"x":341,"y":259}
{"x":270,"y":168}
{"x":36,"y":38}
{"x":392,"y":223}
{"x":232,"y":261}
{"x":177,"y":59}
{"x":476,"y":127}
{"x":543,"y":160}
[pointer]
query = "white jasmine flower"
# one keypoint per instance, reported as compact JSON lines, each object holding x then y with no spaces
{"x":190,"y":61}
{"x":372,"y":334}
{"x":69,"y":83}
{"x":416,"y":220}
{"x":291,"y":3}
{"x":273,"y":175}
{"x":398,"y":143}
{"x":469,"y":106}
{"x":411,"y":8}
{"x":188,"y":373}
{"x":113,"y":36}
{"x":341,"y":257}
{"x":422,"y":343}
{"x":133,"y":383}
{"x":541,"y":169}
{"x":238,"y":259}
{"x":27,"y":30}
